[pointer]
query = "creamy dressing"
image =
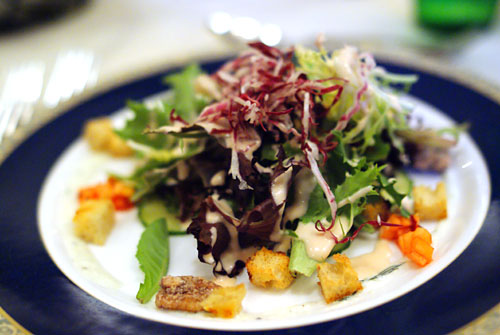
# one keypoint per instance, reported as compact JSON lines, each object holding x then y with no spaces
{"x":208,"y":258}
{"x":369,"y":265}
{"x":305,"y":183}
{"x":223,"y":206}
{"x":224,"y":281}
{"x":218,"y":179}
{"x":279,"y":191}
{"x":318,"y":244}
{"x":279,"y":187}
{"x":213,"y":235}
{"x":284,"y":245}
{"x":277,"y":233}
{"x":234,"y":252}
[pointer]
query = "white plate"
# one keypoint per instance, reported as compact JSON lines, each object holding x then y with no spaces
{"x":111,"y":273}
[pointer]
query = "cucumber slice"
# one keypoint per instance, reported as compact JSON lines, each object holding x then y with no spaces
{"x":153,"y":208}
{"x":403,"y":183}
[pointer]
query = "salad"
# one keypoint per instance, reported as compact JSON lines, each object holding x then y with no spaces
{"x":294,"y":151}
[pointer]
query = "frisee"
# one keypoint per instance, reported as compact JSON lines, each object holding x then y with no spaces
{"x":185,"y":100}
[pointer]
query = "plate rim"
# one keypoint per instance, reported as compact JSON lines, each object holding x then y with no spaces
{"x":261,"y":325}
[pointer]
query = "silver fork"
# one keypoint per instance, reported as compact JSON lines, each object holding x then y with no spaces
{"x":72,"y":72}
{"x":22,"y":89}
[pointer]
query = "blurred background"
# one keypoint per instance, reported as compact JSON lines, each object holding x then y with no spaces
{"x":54,"y":53}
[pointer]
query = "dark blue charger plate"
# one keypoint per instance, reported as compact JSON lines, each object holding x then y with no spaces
{"x":37,"y":295}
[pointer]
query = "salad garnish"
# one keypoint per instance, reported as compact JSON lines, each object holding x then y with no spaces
{"x":256,"y":123}
{"x":294,"y":152}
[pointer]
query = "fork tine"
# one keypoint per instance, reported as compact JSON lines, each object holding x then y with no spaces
{"x":22,"y":89}
{"x":4,"y":121}
{"x":17,"y":112}
{"x":27,"y":115}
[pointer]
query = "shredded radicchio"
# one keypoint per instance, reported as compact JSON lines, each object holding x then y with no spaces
{"x":262,"y":90}
{"x":262,"y":96}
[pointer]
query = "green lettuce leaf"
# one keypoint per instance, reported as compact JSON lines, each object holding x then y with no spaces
{"x":338,"y":248}
{"x":300,"y":262}
{"x":394,"y":79}
{"x":268,"y":152}
{"x":154,"y":207}
{"x":145,"y":117}
{"x":337,"y":164}
{"x":171,"y":155}
{"x":153,"y":253}
{"x":317,"y":207}
{"x":357,"y":181}
{"x":159,"y":166}
{"x":379,"y":151}
{"x":187,"y":105}
{"x":184,"y":100}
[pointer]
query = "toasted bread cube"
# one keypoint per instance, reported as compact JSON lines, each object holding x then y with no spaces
{"x":101,"y":137}
{"x":269,"y":269}
{"x":430,"y":204}
{"x":94,"y":220}
{"x":96,"y":132}
{"x":118,"y":147}
{"x":225,"y":302}
{"x":338,"y":280}
{"x":184,"y":293}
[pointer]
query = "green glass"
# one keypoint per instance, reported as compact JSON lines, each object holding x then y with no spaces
{"x":455,"y":14}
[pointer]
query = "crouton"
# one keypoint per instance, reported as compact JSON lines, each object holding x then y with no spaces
{"x":269,"y":269}
{"x":101,"y":137}
{"x":430,"y":204}
{"x":196,"y":294}
{"x":184,"y":293}
{"x":225,"y":302}
{"x":338,"y":280}
{"x":94,"y":220}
